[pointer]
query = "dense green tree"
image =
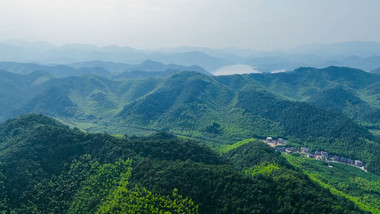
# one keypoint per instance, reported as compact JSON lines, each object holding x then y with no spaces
{"x":47,"y":167}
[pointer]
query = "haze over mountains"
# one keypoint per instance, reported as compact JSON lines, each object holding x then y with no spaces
{"x":188,"y":92}
{"x":214,"y":108}
{"x":189,"y":107}
{"x":148,"y":68}
{"x":362,"y":55}
{"x":334,"y":109}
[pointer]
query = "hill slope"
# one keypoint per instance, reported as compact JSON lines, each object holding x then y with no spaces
{"x":48,"y":167}
{"x":353,"y":92}
{"x":217,"y":110}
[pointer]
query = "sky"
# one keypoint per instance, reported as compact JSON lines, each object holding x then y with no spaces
{"x":153,"y":24}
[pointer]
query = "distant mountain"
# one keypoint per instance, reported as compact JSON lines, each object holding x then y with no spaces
{"x":359,"y":48}
{"x":376,"y":71}
{"x":145,"y":74}
{"x":216,"y":109}
{"x":209,"y":62}
{"x":362,"y":55}
{"x":291,"y":62}
{"x":56,"y":71}
{"x":71,"y":54}
{"x":113,"y":67}
{"x":146,"y":66}
{"x":302,"y":82}
{"x":159,"y":69}
{"x":352,"y":92}
{"x":366,"y":63}
{"x":342,"y":100}
{"x":145,"y":69}
{"x":16,"y":88}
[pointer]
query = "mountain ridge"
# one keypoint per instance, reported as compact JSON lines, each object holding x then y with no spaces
{"x":64,"y":170}
{"x":217,"y":110}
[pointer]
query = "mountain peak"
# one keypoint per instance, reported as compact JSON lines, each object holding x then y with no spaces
{"x":30,"y":120}
{"x":150,"y":62}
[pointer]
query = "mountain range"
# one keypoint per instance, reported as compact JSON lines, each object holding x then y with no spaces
{"x":151,"y":137}
{"x":335,"y":108}
{"x":362,"y":55}
{"x":47,"y":167}
{"x":148,"y":68}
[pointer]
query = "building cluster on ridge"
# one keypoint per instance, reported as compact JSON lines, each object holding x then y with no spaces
{"x":273,"y":143}
{"x":318,"y":155}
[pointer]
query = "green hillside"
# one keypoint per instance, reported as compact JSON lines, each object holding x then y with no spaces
{"x":341,"y":100}
{"x":148,"y":68}
{"x":217,"y":110}
{"x":15,"y":88}
{"x":361,"y":187}
{"x":258,"y":159}
{"x":46,"y":167}
{"x":303,"y":82}
{"x":352,"y":92}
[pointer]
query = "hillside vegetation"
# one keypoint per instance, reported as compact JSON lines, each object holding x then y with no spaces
{"x":350,"y":182}
{"x":47,"y":167}
{"x":342,"y":105}
{"x":353,"y":92}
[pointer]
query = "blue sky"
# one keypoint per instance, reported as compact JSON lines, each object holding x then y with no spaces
{"x":151,"y":24}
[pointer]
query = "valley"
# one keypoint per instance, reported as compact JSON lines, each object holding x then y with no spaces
{"x":189,"y":107}
{"x":150,"y":122}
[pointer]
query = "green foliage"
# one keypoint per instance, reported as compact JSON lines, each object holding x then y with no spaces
{"x":264,"y":168}
{"x":48,"y":167}
{"x":258,"y":159}
{"x":297,"y":199}
{"x":304,"y":82}
{"x":222,"y":189}
{"x":342,"y":100}
{"x":218,"y":110}
{"x":214,"y":128}
{"x":56,"y":194}
{"x":36,"y":151}
{"x":316,"y":128}
{"x":99,"y":185}
{"x":216,"y":189}
{"x":360,"y":149}
{"x":139,"y":200}
{"x":347,"y":181}
{"x":3,"y":197}
{"x":33,"y":148}
{"x":254,"y":153}
{"x":227,"y":148}
{"x":301,"y":119}
{"x":106,"y":192}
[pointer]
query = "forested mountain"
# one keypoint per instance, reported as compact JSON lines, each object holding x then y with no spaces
{"x":359,"y":186}
{"x":302,"y":82}
{"x":348,"y":102}
{"x":352,"y":92}
{"x":56,"y":70}
{"x":377,"y":70}
{"x":47,"y":167}
{"x":363,"y":55}
{"x":148,"y":68}
{"x":214,"y":109}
